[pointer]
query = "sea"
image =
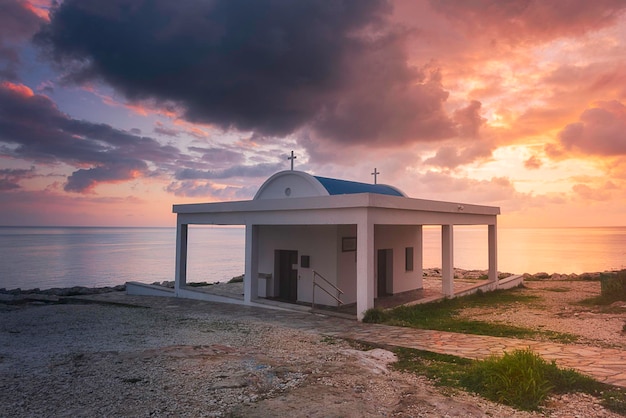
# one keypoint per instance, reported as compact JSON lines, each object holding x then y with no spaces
{"x":47,"y":257}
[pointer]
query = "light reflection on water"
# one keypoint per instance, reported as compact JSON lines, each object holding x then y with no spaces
{"x":533,"y":250}
{"x":62,"y":257}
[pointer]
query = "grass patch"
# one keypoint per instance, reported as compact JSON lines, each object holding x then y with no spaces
{"x":444,"y":315}
{"x":442,"y":369}
{"x":327,"y":339}
{"x":612,"y":289}
{"x":614,"y":400}
{"x":558,"y":289}
{"x":521,"y":379}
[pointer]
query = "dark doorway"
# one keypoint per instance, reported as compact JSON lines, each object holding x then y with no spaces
{"x":287,"y":276}
{"x":385,"y":270}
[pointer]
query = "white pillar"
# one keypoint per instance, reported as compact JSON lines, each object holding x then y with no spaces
{"x":447,"y":260}
{"x":418,"y":262}
{"x":364,"y":266}
{"x":251,"y":277}
{"x":493,"y":254}
{"x":182,"y":232}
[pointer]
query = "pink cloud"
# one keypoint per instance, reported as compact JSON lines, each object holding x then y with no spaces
{"x":585,"y":192}
{"x":531,"y":20}
{"x":452,"y":156}
{"x":468,"y":119}
{"x":600,"y":131}
{"x":533,"y":163}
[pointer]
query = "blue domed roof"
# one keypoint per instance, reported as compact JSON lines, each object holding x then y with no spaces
{"x":336,"y":186}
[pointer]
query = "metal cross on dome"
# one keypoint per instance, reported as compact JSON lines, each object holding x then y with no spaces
{"x":375,"y":174}
{"x":292,"y":157}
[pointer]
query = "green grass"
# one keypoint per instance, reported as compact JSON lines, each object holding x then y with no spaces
{"x":445,"y":316}
{"x":613,"y":289}
{"x":442,"y":369}
{"x":558,"y":289}
{"x":521,"y":379}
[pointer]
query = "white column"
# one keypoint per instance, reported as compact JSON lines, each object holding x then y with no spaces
{"x":447,"y":260}
{"x":418,"y":262}
{"x":251,"y":277}
{"x":493,"y":254}
{"x":364,"y":266}
{"x":181,"y":256}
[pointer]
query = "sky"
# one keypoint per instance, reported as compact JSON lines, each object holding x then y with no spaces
{"x":111,"y":111}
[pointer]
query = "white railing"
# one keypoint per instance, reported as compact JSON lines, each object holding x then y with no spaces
{"x":316,"y":284}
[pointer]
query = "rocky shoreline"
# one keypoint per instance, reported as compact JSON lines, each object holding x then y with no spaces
{"x":53,"y":294}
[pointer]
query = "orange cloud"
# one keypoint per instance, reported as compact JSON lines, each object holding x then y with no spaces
{"x":39,"y":8}
{"x":20,"y":89}
{"x":533,"y":163}
{"x":588,"y":193}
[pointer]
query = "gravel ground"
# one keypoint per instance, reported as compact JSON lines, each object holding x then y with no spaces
{"x":101,"y":360}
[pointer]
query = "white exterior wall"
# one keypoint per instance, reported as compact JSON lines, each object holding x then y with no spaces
{"x":317,"y":241}
{"x":397,"y":238}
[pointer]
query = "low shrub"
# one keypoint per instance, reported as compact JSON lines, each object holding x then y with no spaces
{"x":613,"y":286}
{"x":521,"y":379}
{"x":614,"y":400}
{"x":374,"y":316}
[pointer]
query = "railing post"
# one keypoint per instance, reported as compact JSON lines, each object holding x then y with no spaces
{"x":313,"y":302}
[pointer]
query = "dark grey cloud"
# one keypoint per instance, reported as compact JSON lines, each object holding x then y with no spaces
{"x":86,"y":179}
{"x":258,"y":170}
{"x":219,"y":156}
{"x":17,"y":23}
{"x":195,"y":188}
{"x":337,"y":67}
{"x":32,"y":128}
{"x":161,"y":129}
{"x":10,"y":178}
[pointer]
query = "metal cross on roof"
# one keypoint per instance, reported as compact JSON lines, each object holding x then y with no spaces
{"x":292,"y":157}
{"x":375,"y":174}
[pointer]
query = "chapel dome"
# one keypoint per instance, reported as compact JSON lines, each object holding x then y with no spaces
{"x":286,"y":184}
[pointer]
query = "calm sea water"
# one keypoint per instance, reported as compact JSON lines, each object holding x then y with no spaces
{"x":62,"y":257}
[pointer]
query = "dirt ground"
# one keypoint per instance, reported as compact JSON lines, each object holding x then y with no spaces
{"x":557,"y":309}
{"x":212,"y":360}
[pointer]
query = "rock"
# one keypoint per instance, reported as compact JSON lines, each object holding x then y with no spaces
{"x":41,"y":298}
{"x":6,"y":298}
{"x":375,"y":360}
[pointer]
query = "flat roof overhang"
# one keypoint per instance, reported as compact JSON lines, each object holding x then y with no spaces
{"x":361,"y":200}
{"x":335,"y":210}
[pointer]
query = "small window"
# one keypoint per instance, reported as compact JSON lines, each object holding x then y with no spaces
{"x":408,"y":258}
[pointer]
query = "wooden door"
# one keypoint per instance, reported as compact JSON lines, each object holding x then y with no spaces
{"x":287,"y":276}
{"x":384,"y":271}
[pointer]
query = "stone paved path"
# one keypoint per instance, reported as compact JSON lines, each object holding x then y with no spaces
{"x":603,"y":364}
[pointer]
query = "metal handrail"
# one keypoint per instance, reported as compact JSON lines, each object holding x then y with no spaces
{"x":340,"y":292}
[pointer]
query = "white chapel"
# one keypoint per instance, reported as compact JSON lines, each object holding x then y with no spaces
{"x":329,"y":242}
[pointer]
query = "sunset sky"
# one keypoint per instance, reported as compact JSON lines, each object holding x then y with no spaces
{"x":113,"y":110}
